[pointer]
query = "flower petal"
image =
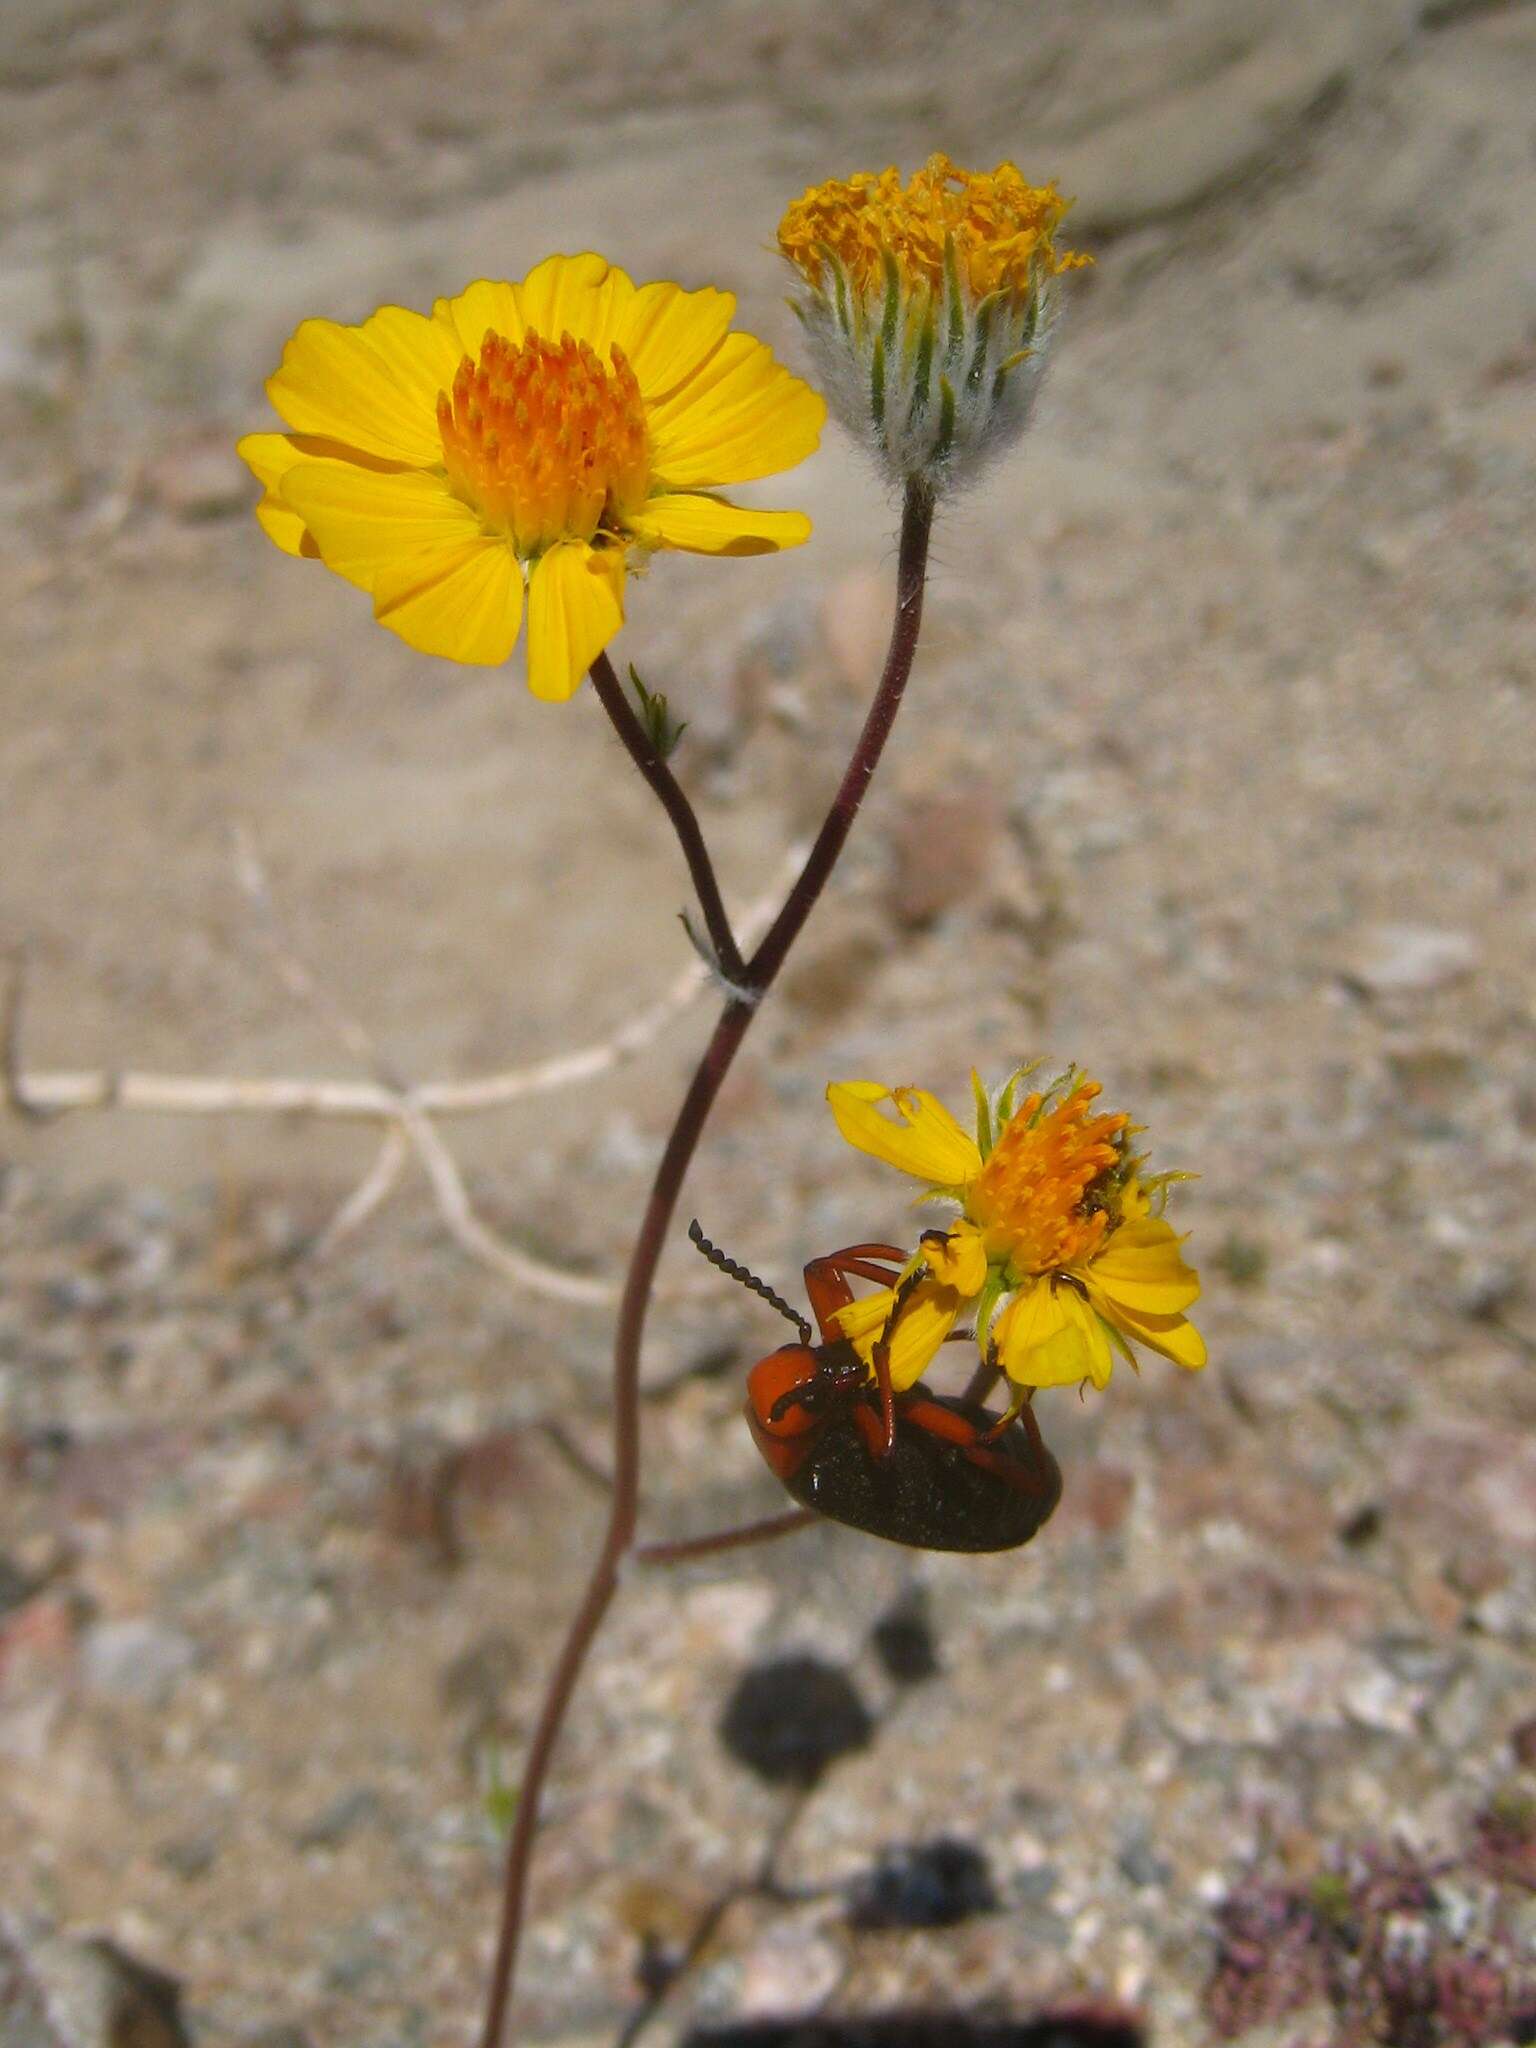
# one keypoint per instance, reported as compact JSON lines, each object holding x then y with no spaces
{"x":1142,"y":1267}
{"x":957,"y":1257}
{"x":668,"y":334}
{"x":580,"y":295}
{"x":269,"y":457}
{"x":366,"y":520}
{"x":489,"y":305}
{"x":743,"y":416}
{"x":930,"y":1314}
{"x":583,"y":295}
{"x":463,"y":600}
{"x":373,"y":387}
{"x":575,"y":606}
{"x":1174,"y":1336}
{"x":1048,"y":1336}
{"x":928,"y":1143}
{"x":419,"y":356}
{"x":708,"y":526}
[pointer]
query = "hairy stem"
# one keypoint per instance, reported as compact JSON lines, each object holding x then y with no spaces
{"x":754,"y":979}
{"x":674,"y":801}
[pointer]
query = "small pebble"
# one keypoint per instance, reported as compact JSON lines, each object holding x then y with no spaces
{"x":856,"y":624}
{"x":789,"y":1970}
{"x":139,"y":1660}
{"x":341,"y":1819}
{"x":1409,"y":960}
{"x":62,"y":1991}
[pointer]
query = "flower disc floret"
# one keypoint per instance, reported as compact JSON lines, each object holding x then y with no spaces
{"x":1060,"y":1250}
{"x":1031,"y":1200}
{"x":545,"y":437}
{"x":994,"y":228}
{"x":928,"y":307}
{"x":544,"y":442}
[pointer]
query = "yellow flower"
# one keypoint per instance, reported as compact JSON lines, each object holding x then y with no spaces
{"x":560,"y":428}
{"x":1060,"y":1249}
{"x":928,"y":307}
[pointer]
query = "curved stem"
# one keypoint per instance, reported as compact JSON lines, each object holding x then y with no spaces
{"x":674,"y":801}
{"x":756,"y":977}
{"x":911,"y":573}
{"x":982,"y":1381}
{"x":687,"y":1548}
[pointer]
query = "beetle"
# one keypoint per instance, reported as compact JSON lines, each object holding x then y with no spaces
{"x":929,"y":1470}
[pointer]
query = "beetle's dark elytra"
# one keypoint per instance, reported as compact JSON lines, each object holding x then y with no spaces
{"x":928,"y":1493}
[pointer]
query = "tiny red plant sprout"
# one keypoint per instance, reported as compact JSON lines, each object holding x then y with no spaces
{"x":924,"y":1469}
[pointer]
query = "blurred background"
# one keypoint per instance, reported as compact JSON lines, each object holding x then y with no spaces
{"x":1214,"y":777}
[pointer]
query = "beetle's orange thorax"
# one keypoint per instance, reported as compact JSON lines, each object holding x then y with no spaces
{"x":783,"y":1372}
{"x":793,"y":1393}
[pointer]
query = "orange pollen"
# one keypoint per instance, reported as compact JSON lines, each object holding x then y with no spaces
{"x":544,"y":441}
{"x":1032,"y":1198}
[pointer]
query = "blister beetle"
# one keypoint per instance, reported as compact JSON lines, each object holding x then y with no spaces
{"x":930,"y":1470}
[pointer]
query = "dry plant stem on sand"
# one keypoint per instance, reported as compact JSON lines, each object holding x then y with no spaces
{"x":408,"y":1110}
{"x":746,"y":990}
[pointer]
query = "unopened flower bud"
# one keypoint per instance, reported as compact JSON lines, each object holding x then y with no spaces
{"x":928,"y":307}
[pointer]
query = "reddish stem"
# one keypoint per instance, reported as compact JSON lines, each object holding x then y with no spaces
{"x":687,"y":1548}
{"x":753,"y":981}
{"x":674,"y":801}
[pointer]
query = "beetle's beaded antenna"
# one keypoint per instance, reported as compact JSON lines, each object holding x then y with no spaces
{"x":716,"y":1257}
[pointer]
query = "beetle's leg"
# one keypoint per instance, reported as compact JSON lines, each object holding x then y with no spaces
{"x":1019,"y":1406}
{"x":867,"y":1423}
{"x":880,"y":1359}
{"x":826,"y":1279}
{"x":923,"y":1412}
{"x":878,"y":1427}
{"x":1021,"y":1477}
{"x":972,"y":1443}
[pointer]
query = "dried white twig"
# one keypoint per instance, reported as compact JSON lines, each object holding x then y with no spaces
{"x":482,"y":1243}
{"x":59,"y":1090}
{"x":407,"y":1111}
{"x":371,"y":1192}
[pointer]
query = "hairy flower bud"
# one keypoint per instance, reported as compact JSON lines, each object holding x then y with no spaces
{"x":928,"y":307}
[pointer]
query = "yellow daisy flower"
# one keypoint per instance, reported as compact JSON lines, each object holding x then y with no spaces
{"x":558,"y":429}
{"x":928,"y":307}
{"x":1060,"y":1250}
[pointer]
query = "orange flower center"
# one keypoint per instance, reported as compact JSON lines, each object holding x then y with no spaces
{"x":1034,"y":1200}
{"x":543,"y":441}
{"x":999,"y":227}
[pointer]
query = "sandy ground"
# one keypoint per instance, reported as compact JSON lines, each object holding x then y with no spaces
{"x":1215,"y":778}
